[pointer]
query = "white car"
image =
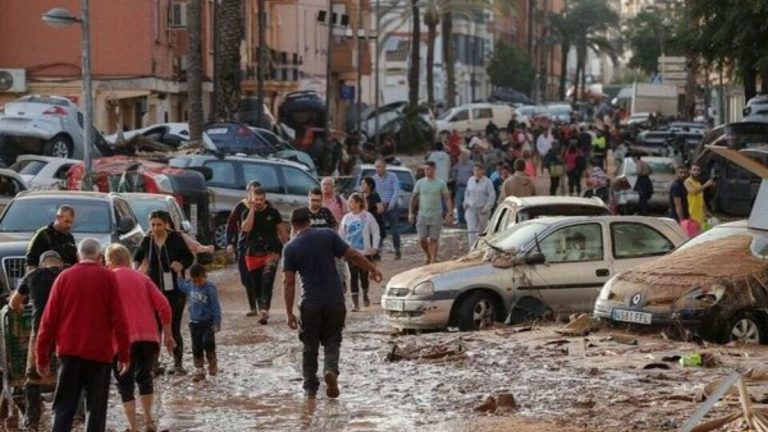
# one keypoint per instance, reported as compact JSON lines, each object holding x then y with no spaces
{"x":43,"y":172}
{"x":536,"y":269}
{"x":47,"y":125}
{"x":662,"y":177}
{"x":171,"y":134}
{"x":473,"y":116}
{"x":560,"y":112}
{"x":532,"y":115}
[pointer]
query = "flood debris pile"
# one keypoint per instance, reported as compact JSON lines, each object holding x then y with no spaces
{"x":447,"y":351}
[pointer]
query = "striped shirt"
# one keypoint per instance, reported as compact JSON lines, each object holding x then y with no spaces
{"x":388,"y":187}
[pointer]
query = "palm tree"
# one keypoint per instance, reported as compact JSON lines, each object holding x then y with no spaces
{"x":413,"y":73}
{"x":195,"y":70}
{"x":231,"y":29}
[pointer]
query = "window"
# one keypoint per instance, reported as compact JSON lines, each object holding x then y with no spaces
{"x":28,"y":167}
{"x":482,"y":113}
{"x":298,"y":182}
{"x":178,"y":15}
{"x":61,"y":173}
{"x":223,"y":174}
{"x":576,"y":243}
{"x":462,"y":115}
{"x":265,"y":174}
{"x":498,"y":224}
{"x":9,"y":187}
{"x":634,"y":240}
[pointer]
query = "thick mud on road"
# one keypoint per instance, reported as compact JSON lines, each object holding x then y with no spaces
{"x":558,"y":383}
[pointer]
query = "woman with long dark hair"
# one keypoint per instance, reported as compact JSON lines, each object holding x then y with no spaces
{"x":163,"y":256}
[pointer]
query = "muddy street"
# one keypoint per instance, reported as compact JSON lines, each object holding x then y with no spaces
{"x":434,"y":381}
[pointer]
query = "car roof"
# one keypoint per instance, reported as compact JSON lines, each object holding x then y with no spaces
{"x":552,"y":200}
{"x":66,"y":194}
{"x":143,"y":195}
{"x":567,"y":220}
{"x":46,"y":158}
{"x":244,"y":158}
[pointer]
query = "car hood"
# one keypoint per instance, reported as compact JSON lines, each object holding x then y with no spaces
{"x":446,"y":270}
{"x":672,"y":278}
{"x":22,"y":238}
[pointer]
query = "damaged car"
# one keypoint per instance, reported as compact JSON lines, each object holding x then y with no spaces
{"x":546,"y":267}
{"x":684,"y":291}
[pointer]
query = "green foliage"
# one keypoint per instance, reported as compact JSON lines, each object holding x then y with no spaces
{"x":648,"y":32}
{"x":414,"y":136}
{"x":509,"y":67}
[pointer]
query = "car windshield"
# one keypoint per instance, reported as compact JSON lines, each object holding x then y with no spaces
{"x":143,"y":207}
{"x":517,"y":237}
{"x":28,"y":215}
{"x":657,"y":167}
{"x":27,"y":167}
{"x":759,"y":245}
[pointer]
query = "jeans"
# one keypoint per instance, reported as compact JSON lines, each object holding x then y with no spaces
{"x":247,"y":280}
{"x":320,"y":325}
{"x":178,"y":301}
{"x":477,"y":222}
{"x":554,"y":184}
{"x":203,"y":340}
{"x":461,"y":191}
{"x":262,"y":282}
{"x":574,"y":182}
{"x":75,"y":376}
{"x":392,"y":219}
{"x":359,"y":278}
{"x":143,"y":355}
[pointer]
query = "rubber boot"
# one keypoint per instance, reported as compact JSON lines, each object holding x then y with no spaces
{"x":355,"y":302}
{"x":32,"y":394}
{"x":213,"y":364}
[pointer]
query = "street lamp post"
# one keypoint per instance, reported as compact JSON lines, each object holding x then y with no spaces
{"x":62,"y":18}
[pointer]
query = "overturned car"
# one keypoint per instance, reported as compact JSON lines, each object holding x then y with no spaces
{"x":714,"y":287}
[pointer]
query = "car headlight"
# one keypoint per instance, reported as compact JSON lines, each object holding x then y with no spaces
{"x":605,"y":291}
{"x":712,"y":295}
{"x":426,"y":288}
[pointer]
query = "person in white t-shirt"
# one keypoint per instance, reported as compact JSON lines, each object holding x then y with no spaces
{"x":360,"y":230}
{"x":442,"y":162}
{"x":544,"y":145}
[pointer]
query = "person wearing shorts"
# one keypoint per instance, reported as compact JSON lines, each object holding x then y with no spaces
{"x":426,"y":210}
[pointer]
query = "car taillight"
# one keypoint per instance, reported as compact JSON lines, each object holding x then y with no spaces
{"x":56,"y":110}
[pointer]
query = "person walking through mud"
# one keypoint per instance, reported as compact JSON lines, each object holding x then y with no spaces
{"x":56,"y":236}
{"x":264,"y":235}
{"x":388,"y":188}
{"x":35,"y":287}
{"x":338,"y":207}
{"x":204,"y":320}
{"x":479,"y":200}
{"x":142,"y":302}
{"x":360,"y":230}
{"x":311,"y":254}
{"x":320,"y":217}
{"x":162,"y":255}
{"x":83,"y":319}
{"x":375,"y":207}
{"x":426,"y":210}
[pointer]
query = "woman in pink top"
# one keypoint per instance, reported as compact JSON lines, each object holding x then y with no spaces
{"x":572,"y":157}
{"x":141,"y":301}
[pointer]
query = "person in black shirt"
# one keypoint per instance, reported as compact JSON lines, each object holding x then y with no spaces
{"x":36,"y":287}
{"x":162,"y":256}
{"x":56,"y":236}
{"x":678,"y":196}
{"x":264,"y":235}
{"x":319,"y":216}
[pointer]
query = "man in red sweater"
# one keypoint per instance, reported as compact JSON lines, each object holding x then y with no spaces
{"x":83,"y":315}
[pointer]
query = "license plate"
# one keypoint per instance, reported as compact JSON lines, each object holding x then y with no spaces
{"x":631,"y":316}
{"x":394,"y":304}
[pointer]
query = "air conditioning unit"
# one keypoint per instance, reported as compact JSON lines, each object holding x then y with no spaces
{"x":13,"y":80}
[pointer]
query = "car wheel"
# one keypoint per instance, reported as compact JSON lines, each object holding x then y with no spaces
{"x":220,"y":233}
{"x":744,"y":327}
{"x":59,"y":146}
{"x":476,"y":312}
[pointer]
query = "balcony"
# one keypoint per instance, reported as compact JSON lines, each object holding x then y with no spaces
{"x":282,"y":73}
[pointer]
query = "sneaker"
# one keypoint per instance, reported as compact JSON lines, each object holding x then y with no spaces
{"x":179,"y":370}
{"x":251,"y":313}
{"x":355,"y":309}
{"x":213,"y":369}
{"x":398,"y":255}
{"x":150,"y":427}
{"x":331,"y":385}
{"x":199,"y":375}
{"x":310,"y":395}
{"x":264,"y":317}
{"x":366,"y":300}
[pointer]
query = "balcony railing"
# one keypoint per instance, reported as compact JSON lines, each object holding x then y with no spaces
{"x":281,"y":66}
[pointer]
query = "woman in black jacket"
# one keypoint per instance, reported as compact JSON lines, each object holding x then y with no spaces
{"x":164,"y":255}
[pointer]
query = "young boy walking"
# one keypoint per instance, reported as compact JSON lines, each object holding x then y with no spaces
{"x":204,"y":319}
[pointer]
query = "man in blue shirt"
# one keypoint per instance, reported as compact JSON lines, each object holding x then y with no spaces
{"x":388,"y":188}
{"x":311,"y":254}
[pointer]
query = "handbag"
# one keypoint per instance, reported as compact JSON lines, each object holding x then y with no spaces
{"x":557,"y":170}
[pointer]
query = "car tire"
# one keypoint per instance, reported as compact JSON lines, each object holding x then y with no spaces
{"x":220,"y":232}
{"x":59,"y":146}
{"x":476,"y":312}
{"x":745,"y":327}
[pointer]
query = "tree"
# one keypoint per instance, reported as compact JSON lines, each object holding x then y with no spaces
{"x":450,"y":67}
{"x":648,"y":33}
{"x":511,"y":68}
{"x":413,"y":72}
{"x":231,"y":29}
{"x":195,"y":70}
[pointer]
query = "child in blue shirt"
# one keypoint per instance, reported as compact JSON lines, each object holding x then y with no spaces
{"x":204,"y":319}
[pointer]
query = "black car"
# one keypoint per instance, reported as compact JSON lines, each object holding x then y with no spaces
{"x":106,"y":217}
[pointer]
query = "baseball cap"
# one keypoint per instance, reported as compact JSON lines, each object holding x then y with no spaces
{"x":50,"y":254}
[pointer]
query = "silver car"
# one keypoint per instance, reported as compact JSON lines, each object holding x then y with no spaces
{"x":536,"y":269}
{"x":48,"y":125}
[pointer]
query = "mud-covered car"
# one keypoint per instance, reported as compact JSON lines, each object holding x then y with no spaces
{"x":536,"y":269}
{"x":715,"y":286}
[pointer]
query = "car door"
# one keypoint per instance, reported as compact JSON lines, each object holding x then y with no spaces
{"x":634,"y":243}
{"x":460,"y":120}
{"x":225,"y":185}
{"x":132,"y":238}
{"x":480,"y":117}
{"x":297,"y":184}
{"x":268,"y":175}
{"x":570,"y":279}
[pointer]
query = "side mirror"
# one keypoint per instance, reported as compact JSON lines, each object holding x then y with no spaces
{"x":125,"y":226}
{"x":535,"y":258}
{"x":186,"y":226}
{"x":205,"y":171}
